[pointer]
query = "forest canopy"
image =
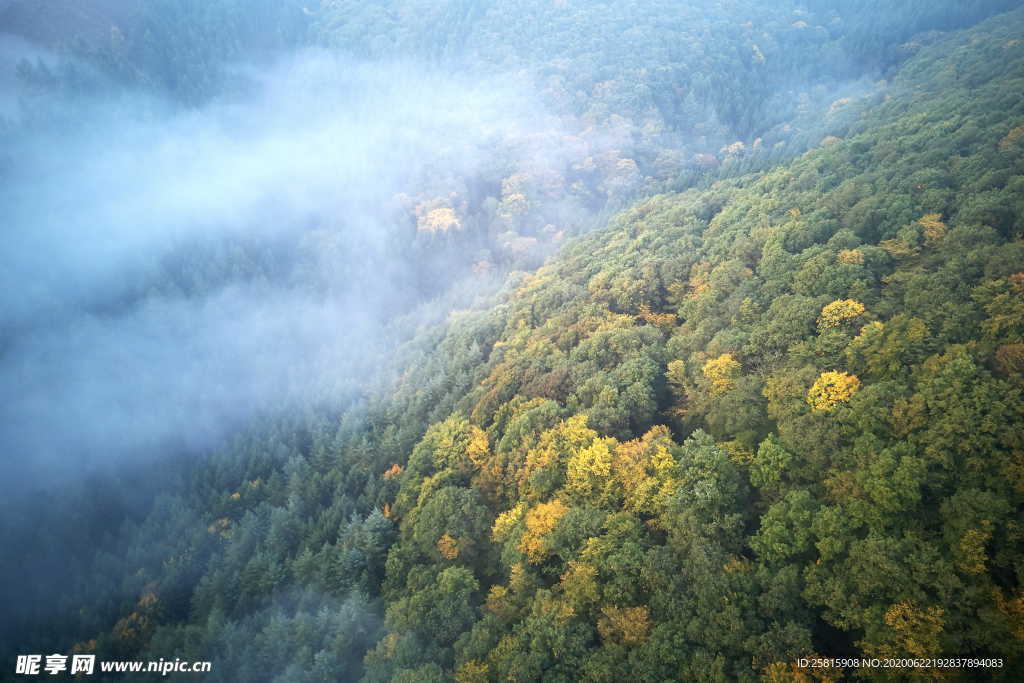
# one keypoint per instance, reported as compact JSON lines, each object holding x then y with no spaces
{"x":690,"y":339}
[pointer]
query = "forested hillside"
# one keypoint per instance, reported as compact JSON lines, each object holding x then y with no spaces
{"x":771,"y":408}
{"x":779,"y":416}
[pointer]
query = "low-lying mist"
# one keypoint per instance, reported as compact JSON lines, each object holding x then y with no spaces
{"x":170,"y":273}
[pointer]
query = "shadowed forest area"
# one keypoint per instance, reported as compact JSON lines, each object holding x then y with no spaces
{"x":511,"y":341}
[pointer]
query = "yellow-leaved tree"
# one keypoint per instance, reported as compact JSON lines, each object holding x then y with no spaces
{"x":831,"y":389}
{"x":933,"y":228}
{"x":506,"y":522}
{"x":851,"y":257}
{"x":589,"y":471}
{"x":918,"y":631}
{"x":839,"y":312}
{"x":1012,"y":140}
{"x":441,"y":219}
{"x":722,"y":372}
{"x":540,"y":522}
{"x":625,"y":625}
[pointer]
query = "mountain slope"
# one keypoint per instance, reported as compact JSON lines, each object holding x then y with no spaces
{"x":739,"y":425}
{"x":836,"y":350}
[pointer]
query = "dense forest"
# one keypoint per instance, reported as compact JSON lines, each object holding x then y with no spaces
{"x":490,"y":341}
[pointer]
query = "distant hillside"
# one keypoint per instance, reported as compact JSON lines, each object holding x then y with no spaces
{"x":55,"y":22}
